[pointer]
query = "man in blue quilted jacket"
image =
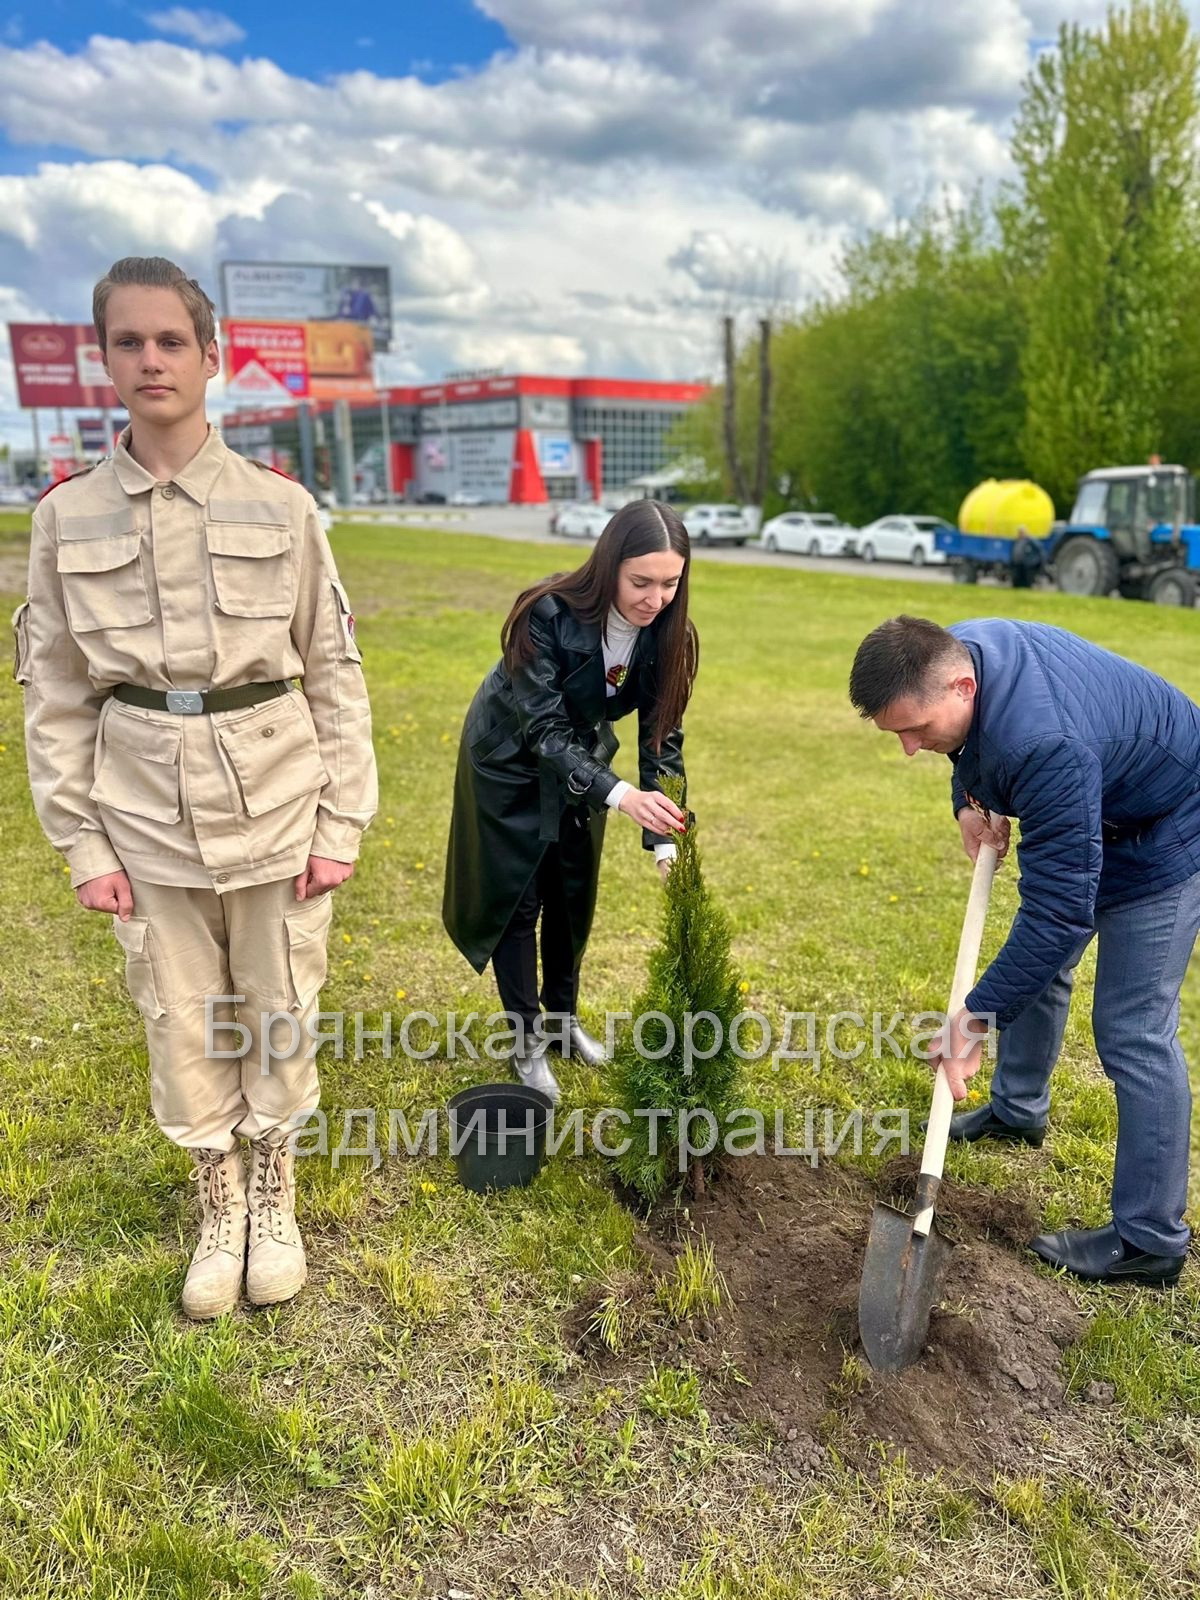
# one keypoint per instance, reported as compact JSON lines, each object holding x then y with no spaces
{"x":1099,"y":760}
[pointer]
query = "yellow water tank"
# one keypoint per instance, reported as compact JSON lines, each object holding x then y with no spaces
{"x":1003,"y":508}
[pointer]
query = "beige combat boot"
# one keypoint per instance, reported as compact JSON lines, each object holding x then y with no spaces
{"x":214,"y":1278}
{"x":276,"y":1268}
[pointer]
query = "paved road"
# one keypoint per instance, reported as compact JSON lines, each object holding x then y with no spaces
{"x":530,"y":524}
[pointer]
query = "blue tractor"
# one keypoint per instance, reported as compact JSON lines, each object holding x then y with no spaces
{"x":1132,"y":529}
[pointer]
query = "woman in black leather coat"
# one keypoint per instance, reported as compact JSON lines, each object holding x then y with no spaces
{"x":534,"y":786}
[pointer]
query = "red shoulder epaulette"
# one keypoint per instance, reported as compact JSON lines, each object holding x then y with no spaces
{"x":50,"y":487}
{"x":266,"y":465}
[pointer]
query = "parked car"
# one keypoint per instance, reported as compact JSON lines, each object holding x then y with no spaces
{"x":587,"y":519}
{"x":465,"y":497}
{"x":15,"y":494}
{"x":716,"y":524}
{"x":902,"y":539}
{"x":808,"y":533}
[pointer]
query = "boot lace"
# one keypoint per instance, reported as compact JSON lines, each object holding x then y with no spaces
{"x":216,"y":1192}
{"x":269,"y":1190}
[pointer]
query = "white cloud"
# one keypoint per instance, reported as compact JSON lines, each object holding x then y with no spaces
{"x":209,"y":28}
{"x":589,"y":199}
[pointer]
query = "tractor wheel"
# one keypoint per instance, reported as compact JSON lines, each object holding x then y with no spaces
{"x":1174,"y":587}
{"x":1086,"y":566}
{"x":965,"y":572}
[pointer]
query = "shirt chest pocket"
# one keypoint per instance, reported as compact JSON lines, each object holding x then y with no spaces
{"x":250,"y":553}
{"x":100,"y":566}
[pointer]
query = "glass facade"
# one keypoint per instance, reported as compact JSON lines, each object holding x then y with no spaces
{"x":633,"y":434}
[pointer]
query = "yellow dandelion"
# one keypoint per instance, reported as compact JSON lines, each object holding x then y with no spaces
{"x":347,"y":939}
{"x":892,"y":898}
{"x":389,"y":821}
{"x":368,"y":977}
{"x":743,"y":987}
{"x":445,"y":738}
{"x":427,"y":1187}
{"x":816,"y":853}
{"x":401,"y":994}
{"x":387,"y":844}
{"x":864,"y":871}
{"x":418,"y":866}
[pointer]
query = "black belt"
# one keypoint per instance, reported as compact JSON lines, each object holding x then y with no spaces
{"x":193,"y":702}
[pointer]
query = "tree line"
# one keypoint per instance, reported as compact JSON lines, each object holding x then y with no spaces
{"x":1041,"y":332}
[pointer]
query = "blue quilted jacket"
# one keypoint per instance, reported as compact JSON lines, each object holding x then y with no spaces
{"x":1100,"y":761}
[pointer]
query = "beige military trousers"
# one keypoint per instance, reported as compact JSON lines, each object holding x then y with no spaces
{"x":186,"y":946}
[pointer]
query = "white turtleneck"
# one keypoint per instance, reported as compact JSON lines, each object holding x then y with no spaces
{"x":620,"y":640}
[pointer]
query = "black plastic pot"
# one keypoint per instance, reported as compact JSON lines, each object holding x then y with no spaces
{"x":505,"y":1148}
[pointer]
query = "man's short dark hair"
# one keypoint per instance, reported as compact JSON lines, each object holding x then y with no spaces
{"x":899,"y":658}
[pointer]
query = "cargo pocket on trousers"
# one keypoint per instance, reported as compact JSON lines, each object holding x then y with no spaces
{"x":136,"y":939}
{"x":307,"y":929}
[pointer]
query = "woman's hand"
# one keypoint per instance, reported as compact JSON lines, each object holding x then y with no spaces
{"x":652,"y":810}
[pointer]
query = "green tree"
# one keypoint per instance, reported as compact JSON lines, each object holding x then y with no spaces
{"x":693,"y":985}
{"x":1103,"y":227}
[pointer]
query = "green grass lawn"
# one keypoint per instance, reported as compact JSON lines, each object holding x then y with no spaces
{"x":417,"y":1416}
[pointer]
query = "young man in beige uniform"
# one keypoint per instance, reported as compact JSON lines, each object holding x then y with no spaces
{"x":196,"y":794}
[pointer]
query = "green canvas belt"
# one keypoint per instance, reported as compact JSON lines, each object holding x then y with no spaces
{"x":194,"y":702}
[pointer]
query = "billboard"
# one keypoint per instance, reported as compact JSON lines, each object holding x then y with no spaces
{"x":272,"y":361}
{"x":283,"y":291}
{"x":59,"y":364}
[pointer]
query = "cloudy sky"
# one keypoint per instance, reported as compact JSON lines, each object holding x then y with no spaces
{"x":557,"y":185}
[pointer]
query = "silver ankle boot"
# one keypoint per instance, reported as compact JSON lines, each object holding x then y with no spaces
{"x":580,"y":1043}
{"x":530,"y":1066}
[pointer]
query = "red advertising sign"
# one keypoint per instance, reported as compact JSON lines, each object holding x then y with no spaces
{"x":59,"y":364}
{"x":271,"y":361}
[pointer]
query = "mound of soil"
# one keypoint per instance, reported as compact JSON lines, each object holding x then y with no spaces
{"x":789,"y":1240}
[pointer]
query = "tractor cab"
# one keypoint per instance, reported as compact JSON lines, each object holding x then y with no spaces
{"x":1128,"y":504}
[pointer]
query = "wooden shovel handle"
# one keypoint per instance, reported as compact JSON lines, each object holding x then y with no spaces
{"x":933,"y":1155}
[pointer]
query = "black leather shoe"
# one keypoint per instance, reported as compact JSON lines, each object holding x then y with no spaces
{"x":580,"y":1043}
{"x":985,"y":1124}
{"x":1100,"y":1255}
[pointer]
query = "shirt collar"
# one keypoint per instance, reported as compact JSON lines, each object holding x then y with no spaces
{"x":196,"y":479}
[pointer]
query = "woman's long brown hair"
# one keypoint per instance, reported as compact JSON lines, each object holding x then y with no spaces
{"x":644,"y":527}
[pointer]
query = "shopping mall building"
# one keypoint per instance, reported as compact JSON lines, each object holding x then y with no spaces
{"x":496,"y":438}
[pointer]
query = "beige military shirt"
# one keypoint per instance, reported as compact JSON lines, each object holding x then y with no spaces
{"x":221,"y":577}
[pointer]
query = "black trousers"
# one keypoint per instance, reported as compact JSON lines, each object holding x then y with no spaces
{"x":514,"y":960}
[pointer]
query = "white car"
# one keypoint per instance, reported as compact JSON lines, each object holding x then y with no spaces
{"x":464,"y":497}
{"x":902,"y":539}
{"x":586,"y":519}
{"x":808,"y":533}
{"x":719,"y":524}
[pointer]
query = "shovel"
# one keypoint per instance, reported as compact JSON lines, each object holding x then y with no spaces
{"x":906,"y":1252}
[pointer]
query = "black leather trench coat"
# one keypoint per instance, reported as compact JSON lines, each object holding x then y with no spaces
{"x":533,"y":760}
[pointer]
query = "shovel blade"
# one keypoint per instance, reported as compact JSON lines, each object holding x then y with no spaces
{"x":901,"y":1284}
